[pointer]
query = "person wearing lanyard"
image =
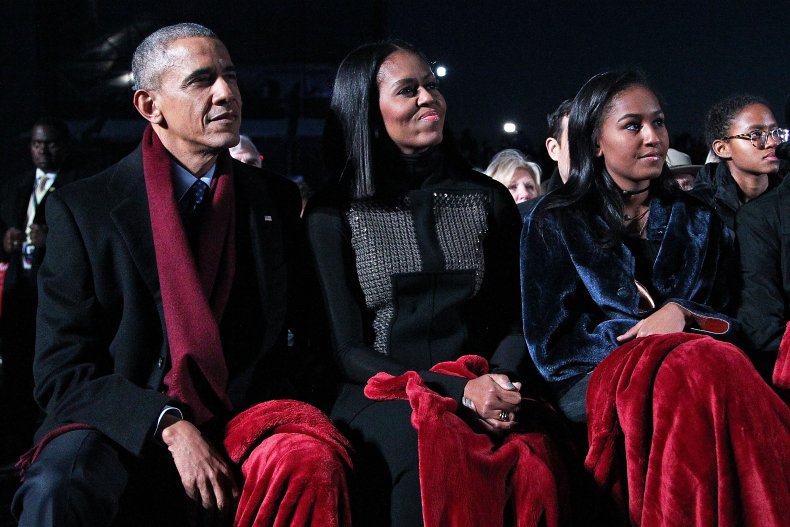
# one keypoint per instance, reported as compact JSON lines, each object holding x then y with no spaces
{"x":24,"y":235}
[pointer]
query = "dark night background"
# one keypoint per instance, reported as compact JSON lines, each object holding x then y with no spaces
{"x":506,"y":60}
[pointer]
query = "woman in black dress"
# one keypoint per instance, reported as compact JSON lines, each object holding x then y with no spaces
{"x":417,"y":257}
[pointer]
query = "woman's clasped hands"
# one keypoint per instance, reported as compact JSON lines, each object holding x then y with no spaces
{"x":495,"y":400}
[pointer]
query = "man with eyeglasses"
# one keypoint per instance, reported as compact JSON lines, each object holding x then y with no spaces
{"x":743,"y":133}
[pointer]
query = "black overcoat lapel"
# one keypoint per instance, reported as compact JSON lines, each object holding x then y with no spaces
{"x":132,"y":217}
{"x":266,"y":235}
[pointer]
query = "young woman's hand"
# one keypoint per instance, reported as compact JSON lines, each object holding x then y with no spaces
{"x":671,"y":318}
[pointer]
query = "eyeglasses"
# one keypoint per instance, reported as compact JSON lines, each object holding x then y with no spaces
{"x":759,"y":138}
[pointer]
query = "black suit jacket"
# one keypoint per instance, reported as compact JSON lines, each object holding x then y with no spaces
{"x":13,"y":213}
{"x":102,"y":351}
{"x":19,"y":288}
{"x":13,"y":208}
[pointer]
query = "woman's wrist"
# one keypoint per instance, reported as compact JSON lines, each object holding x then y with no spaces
{"x":687,"y":315}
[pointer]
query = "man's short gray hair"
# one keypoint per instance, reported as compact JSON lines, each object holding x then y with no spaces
{"x":150,"y":58}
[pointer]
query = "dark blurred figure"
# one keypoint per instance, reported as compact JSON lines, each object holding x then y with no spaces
{"x":763,"y":231}
{"x":305,"y":189}
{"x":467,"y":144}
{"x":558,"y":150}
{"x":24,"y":234}
{"x":246,"y":152}
{"x":557,"y":146}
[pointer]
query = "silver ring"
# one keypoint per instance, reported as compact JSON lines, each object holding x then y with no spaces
{"x":504,"y":416}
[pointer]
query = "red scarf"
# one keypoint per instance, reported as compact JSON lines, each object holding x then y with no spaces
{"x":194,"y":294}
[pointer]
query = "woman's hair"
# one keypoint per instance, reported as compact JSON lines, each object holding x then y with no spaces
{"x":723,"y":113}
{"x":589,"y":189}
{"x":504,"y":164}
{"x":354,"y":126}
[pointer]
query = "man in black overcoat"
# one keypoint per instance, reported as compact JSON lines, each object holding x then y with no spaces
{"x":165,"y":300}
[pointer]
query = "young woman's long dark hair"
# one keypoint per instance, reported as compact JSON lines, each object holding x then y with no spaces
{"x":589,"y":190}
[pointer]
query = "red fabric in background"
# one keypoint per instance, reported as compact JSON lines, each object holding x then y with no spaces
{"x":466,"y":478}
{"x":294,"y":463}
{"x":684,"y":432}
{"x":781,"y":376}
{"x":3,"y":269}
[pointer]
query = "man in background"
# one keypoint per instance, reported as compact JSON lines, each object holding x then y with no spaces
{"x":23,"y":226}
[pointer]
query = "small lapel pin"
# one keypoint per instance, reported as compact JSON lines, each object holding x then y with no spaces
{"x":267,"y":218}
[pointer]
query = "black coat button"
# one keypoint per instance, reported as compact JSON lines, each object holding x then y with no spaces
{"x":622,"y":293}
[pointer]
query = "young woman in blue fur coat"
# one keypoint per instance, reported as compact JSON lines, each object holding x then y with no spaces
{"x":616,"y":265}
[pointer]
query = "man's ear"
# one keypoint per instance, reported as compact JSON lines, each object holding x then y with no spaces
{"x":553,"y":148}
{"x":147,"y":106}
{"x":721,"y":148}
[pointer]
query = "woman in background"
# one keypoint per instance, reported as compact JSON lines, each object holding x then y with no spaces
{"x":520,"y":175}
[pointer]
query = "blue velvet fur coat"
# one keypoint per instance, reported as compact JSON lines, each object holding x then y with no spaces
{"x":577,"y":296}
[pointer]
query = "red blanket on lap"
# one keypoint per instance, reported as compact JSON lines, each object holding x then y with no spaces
{"x":466,"y":478}
{"x":684,"y":432}
{"x":291,"y":456}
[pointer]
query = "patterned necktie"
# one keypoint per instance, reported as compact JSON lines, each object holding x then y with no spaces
{"x":41,"y":188}
{"x":191,"y":211}
{"x":190,"y":204}
{"x":199,"y":189}
{"x":42,"y":183}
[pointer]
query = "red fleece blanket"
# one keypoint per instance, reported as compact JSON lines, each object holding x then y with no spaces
{"x":781,"y":376}
{"x":684,"y":432}
{"x":468,"y":478}
{"x":294,"y":461}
